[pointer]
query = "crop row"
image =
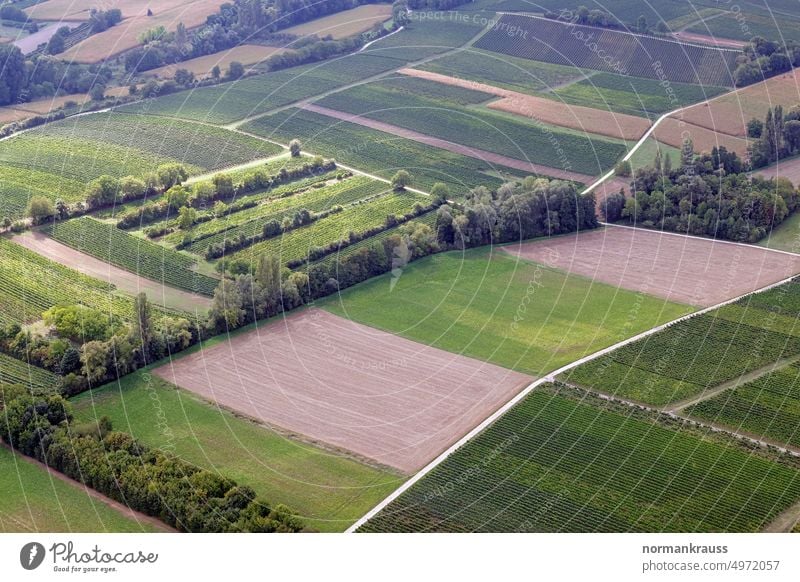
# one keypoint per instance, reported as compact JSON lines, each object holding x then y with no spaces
{"x":251,"y":221}
{"x":194,"y":144}
{"x":69,"y":160}
{"x":31,"y":284}
{"x":238,"y":211}
{"x":254,"y":95}
{"x":768,"y":406}
{"x":13,"y":371}
{"x":700,"y":352}
{"x":378,"y":152}
{"x":504,"y":71}
{"x":140,"y":256}
{"x":331,"y":261}
{"x":296,"y":244}
{"x":556,"y":463}
{"x":611,"y":51}
{"x":479,"y":129}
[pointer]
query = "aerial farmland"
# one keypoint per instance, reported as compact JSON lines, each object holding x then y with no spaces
{"x":274,"y":266}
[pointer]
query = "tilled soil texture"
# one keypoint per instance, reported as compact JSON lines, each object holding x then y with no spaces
{"x":349,"y":386}
{"x":585,"y":119}
{"x":679,"y":268}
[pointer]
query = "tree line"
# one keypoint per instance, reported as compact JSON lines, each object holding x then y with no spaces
{"x":243,"y":21}
{"x":775,"y":138}
{"x":711,"y":195}
{"x":178,"y":493}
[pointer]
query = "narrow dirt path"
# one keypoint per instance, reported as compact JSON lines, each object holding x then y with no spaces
{"x":126,"y":281}
{"x":785,"y":521}
{"x":94,"y":494}
{"x":463,"y":150}
{"x":675,"y":407}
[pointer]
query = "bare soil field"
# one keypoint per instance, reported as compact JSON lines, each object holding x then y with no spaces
{"x":11,"y":113}
{"x":247,"y":54}
{"x":684,"y":36}
{"x":344,"y":24}
{"x":124,"y":280}
{"x":350,"y":386}
{"x":490,"y":157}
{"x":789,"y":168}
{"x":673,"y":131}
{"x":608,"y":123}
{"x":730,"y":113}
{"x":125,"y":35}
{"x":59,"y":10}
{"x":679,"y":268}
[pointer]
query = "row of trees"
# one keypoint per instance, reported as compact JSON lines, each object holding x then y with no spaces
{"x":777,"y":137}
{"x":44,"y":76}
{"x":762,"y":58}
{"x":712,"y":195}
{"x":117,"y":465}
{"x":243,"y":21}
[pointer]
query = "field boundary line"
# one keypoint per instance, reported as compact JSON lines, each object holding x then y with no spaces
{"x":550,"y":377}
{"x":712,"y":426}
{"x":693,"y":236}
{"x":117,"y":506}
{"x":627,"y":32}
{"x":370,"y":43}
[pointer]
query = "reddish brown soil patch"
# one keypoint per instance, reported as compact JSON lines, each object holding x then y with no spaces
{"x":678,"y":268}
{"x":353,"y":387}
{"x":489,"y":157}
{"x":673,"y":131}
{"x":585,"y":119}
{"x":126,"y":281}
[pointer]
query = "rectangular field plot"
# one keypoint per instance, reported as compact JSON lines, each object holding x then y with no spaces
{"x":561,"y":461}
{"x":300,"y":243}
{"x":13,"y":371}
{"x":503,"y":71}
{"x":34,"y":501}
{"x":700,"y":353}
{"x":352,"y":387}
{"x":327,"y":490}
{"x":493,"y":307}
{"x":616,"y":52}
{"x":683,"y":269}
{"x":768,"y":407}
{"x":31,"y":284}
{"x":515,"y":137}
{"x":108,"y":243}
{"x":249,"y":222}
{"x":378,"y":152}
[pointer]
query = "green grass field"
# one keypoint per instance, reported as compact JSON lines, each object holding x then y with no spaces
{"x":563,"y":461}
{"x":329,"y":491}
{"x":467,"y":303}
{"x":510,"y":136}
{"x":33,"y":501}
{"x":702,"y":352}
{"x":379,"y":153}
{"x":645,"y":156}
{"x":785,"y":236}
